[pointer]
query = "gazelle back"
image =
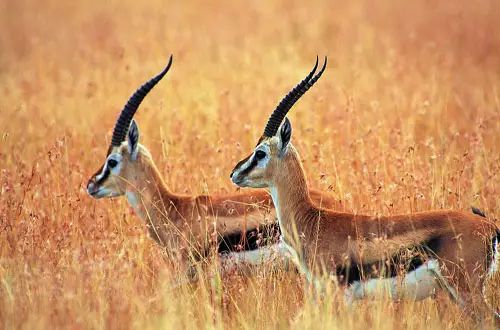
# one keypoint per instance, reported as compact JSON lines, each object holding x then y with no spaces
{"x":188,"y":227}
{"x":413,"y":255}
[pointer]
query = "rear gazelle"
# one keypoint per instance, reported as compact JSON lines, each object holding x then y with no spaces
{"x":410,"y":255}
{"x":188,"y":227}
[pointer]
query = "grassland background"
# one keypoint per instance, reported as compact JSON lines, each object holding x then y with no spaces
{"x":406,"y":118}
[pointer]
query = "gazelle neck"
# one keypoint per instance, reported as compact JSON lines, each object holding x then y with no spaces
{"x":290,"y":194}
{"x":151,"y":199}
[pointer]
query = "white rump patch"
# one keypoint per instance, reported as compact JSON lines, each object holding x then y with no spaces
{"x":415,"y":285}
{"x":495,"y":260}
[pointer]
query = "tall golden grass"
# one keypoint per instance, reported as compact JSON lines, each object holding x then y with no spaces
{"x":406,"y":118}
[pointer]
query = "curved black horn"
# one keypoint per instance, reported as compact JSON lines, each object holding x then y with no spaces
{"x":289,"y":100}
{"x":123,"y":122}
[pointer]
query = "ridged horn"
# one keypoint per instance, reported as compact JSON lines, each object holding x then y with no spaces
{"x":123,"y":122}
{"x":289,"y":100}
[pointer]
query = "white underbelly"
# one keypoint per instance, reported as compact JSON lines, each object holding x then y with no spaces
{"x":415,"y":285}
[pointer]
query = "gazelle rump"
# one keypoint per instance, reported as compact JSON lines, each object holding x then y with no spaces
{"x":411,"y":255}
{"x":186,"y":226}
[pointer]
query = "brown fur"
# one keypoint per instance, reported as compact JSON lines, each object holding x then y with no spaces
{"x":323,"y":239}
{"x":187,"y":225}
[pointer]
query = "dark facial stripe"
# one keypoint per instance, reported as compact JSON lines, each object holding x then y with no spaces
{"x":250,"y":167}
{"x":92,"y":178}
{"x":98,"y":173}
{"x":241,"y":162}
{"x":105,"y":175}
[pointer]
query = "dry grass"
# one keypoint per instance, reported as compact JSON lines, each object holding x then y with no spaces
{"x":406,"y":118}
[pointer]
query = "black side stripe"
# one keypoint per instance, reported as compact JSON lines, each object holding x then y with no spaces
{"x":249,"y":240}
{"x":239,"y":241}
{"x":403,"y":261}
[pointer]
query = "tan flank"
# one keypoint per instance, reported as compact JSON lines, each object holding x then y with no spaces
{"x":188,"y":227}
{"x":411,"y":255}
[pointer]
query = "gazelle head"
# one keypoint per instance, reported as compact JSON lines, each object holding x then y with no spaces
{"x":125,"y":154}
{"x":259,"y":168}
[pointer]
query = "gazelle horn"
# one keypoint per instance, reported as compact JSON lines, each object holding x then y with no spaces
{"x":289,"y":100}
{"x":123,"y":122}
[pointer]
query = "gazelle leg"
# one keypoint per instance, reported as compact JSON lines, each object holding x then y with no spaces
{"x":467,"y":292}
{"x":448,"y":289}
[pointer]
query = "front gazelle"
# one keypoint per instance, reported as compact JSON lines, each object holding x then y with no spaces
{"x":410,"y":255}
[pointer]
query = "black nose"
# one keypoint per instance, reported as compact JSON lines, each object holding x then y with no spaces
{"x":231,"y":175}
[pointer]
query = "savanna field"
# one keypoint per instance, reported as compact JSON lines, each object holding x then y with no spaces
{"x":406,"y":118}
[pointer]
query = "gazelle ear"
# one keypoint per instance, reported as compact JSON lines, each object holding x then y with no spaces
{"x":285,"y":135}
{"x":133,"y":140}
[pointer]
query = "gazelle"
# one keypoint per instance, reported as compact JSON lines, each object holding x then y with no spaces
{"x":186,"y":226}
{"x":411,"y":255}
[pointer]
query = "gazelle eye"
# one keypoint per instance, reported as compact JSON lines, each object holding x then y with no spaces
{"x":259,"y":154}
{"x":112,"y":163}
